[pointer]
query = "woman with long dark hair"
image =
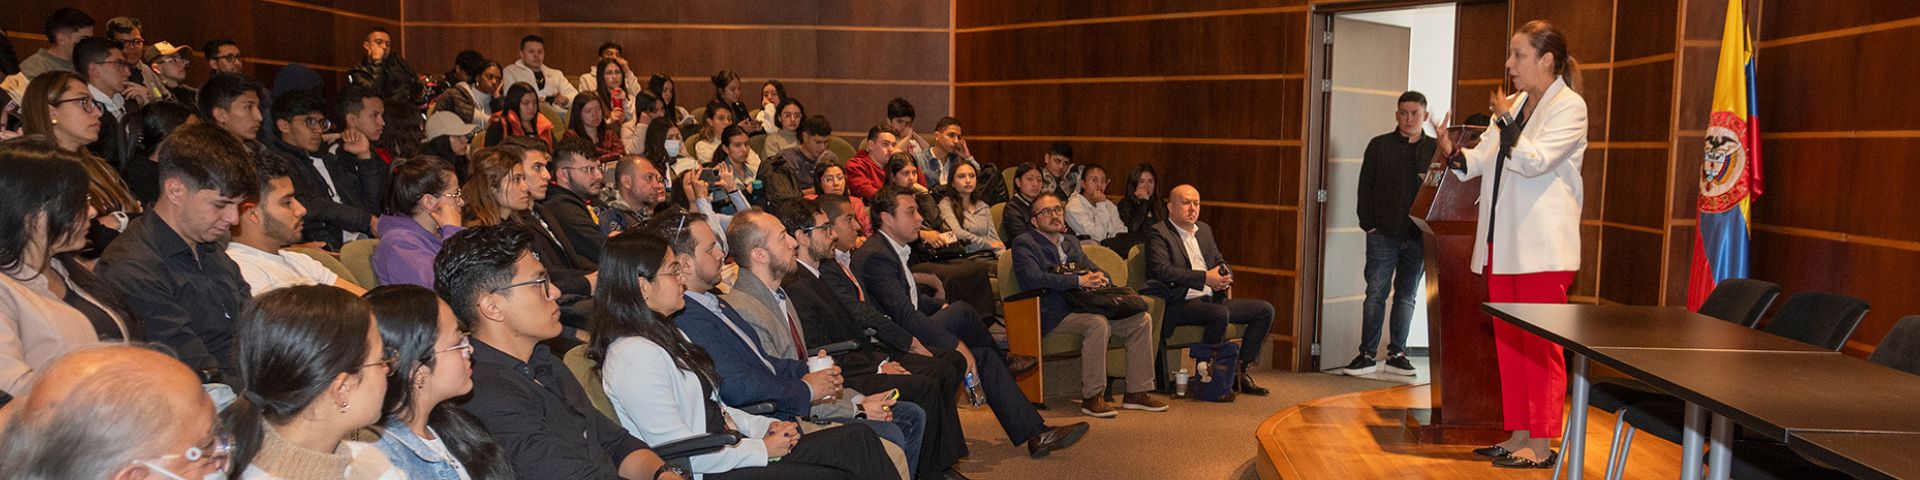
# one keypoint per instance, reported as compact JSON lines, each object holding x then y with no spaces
{"x":58,"y":105}
{"x":784,"y":132}
{"x":517,"y":114}
{"x":726,"y":91}
{"x":1141,"y":207}
{"x":590,"y":121}
{"x":967,"y":216}
{"x":421,"y":210}
{"x":52,"y":305}
{"x":831,"y":179}
{"x":423,"y":433}
{"x":773,"y":94}
{"x":664,"y":387}
{"x":315,"y":371}
{"x":1527,"y":242}
{"x":662,"y":145}
{"x":734,"y":151}
{"x":662,"y":86}
{"x":612,"y":90}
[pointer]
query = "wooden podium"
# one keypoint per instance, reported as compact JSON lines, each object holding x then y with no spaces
{"x":1466,"y":375}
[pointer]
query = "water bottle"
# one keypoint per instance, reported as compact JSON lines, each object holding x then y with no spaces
{"x":1180,"y":383}
{"x":973,"y":389}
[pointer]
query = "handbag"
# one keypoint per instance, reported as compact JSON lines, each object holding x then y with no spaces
{"x":1111,"y":301}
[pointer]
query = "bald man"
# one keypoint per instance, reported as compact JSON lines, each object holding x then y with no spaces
{"x":113,"y":412}
{"x":1185,"y":269}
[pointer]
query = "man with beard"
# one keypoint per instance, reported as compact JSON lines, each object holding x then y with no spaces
{"x":579,"y":181}
{"x":270,"y":220}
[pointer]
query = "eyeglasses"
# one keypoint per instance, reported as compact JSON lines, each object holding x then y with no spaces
{"x":121,"y":63}
{"x":175,"y":58}
{"x":86,"y":103}
{"x":318,"y":123}
{"x":1049,"y":211}
{"x":807,"y":230}
{"x":453,"y":195}
{"x":218,"y":449}
{"x":543,"y":281}
{"x":465,"y":347}
{"x":387,"y":356}
{"x":230,"y":56}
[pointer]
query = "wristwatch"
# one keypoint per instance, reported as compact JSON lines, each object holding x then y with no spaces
{"x":676,"y":469}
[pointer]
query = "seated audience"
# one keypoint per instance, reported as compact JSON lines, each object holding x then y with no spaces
{"x":967,"y":215}
{"x":422,"y":431}
{"x":169,"y":66}
{"x":1055,"y":168}
{"x":830,"y":180}
{"x":517,"y":114}
{"x":522,"y":393}
{"x":665,"y":388}
{"x":639,"y":189}
{"x":865,"y":174}
{"x":809,"y":149}
{"x":936,"y":251}
{"x":577,"y":183}
{"x":366,"y":131}
{"x":1141,"y":207}
{"x":900,"y":115}
{"x":316,"y":371}
{"x":50,"y":302}
{"x":449,"y":138}
{"x":773,"y":94}
{"x":589,"y":121}
{"x":590,"y":81}
{"x":146,"y":128}
{"x":497,"y":191}
{"x":882,"y":266}
{"x":476,"y":81}
{"x":100,"y":62}
{"x":382,"y":71}
{"x":646,"y":108}
{"x":661,"y":86}
{"x":717,"y":118}
{"x":232,"y":102}
{"x":688,"y":196}
{"x":66,"y":27}
{"x":126,"y":33}
{"x":1028,"y":184}
{"x":174,"y":251}
{"x":663,"y":147}
{"x":949,"y":149}
{"x":223,"y":56}
{"x":572,"y":272}
{"x":421,"y":211}
{"x":782,"y":124}
{"x":1036,"y":257}
{"x":726,"y":91}
{"x":328,"y":185}
{"x":1094,"y":217}
{"x":617,"y":102}
{"x":81,"y":409}
{"x":57,"y":106}
{"x":1185,"y":269}
{"x":548,"y":83}
{"x":269,"y":221}
{"x":741,"y":160}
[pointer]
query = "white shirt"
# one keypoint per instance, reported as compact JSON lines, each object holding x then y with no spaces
{"x":268,"y":271}
{"x":1195,"y":259}
{"x":903,"y":251}
{"x":712,"y":304}
{"x":115,"y":103}
{"x":1537,"y":224}
{"x":1097,"y":221}
{"x":439,"y":447}
{"x":557,"y":82}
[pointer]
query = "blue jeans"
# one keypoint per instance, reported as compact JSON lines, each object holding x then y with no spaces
{"x":1396,"y":264}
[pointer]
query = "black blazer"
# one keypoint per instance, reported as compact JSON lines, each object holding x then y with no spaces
{"x":879,"y":270}
{"x":112,"y":143}
{"x":568,"y":271}
{"x":570,"y":218}
{"x":326,"y":219}
{"x":838,"y":318}
{"x":1169,"y":272}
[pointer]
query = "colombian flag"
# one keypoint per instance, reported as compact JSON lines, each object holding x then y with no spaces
{"x":1730,"y":177}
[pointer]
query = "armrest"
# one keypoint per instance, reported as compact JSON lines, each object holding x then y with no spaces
{"x":762,"y":408}
{"x":836,"y":348}
{"x":1034,"y":293}
{"x":695,"y":445}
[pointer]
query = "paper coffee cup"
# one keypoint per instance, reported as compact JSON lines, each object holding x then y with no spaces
{"x":815,"y":364}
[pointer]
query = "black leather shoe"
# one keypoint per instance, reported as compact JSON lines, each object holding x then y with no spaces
{"x":1243,"y":383}
{"x":1495,"y":451}
{"x":1513,"y":461}
{"x":1021,"y":365}
{"x":1056,"y":438}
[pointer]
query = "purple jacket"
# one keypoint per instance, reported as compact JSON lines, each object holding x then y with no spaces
{"x":405,"y":253}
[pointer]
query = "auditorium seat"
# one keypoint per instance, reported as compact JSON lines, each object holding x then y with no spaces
{"x":758,"y":142}
{"x":1022,"y":317}
{"x":1180,"y":337}
{"x":841,"y":149}
{"x":357,"y":255}
{"x":582,"y":368}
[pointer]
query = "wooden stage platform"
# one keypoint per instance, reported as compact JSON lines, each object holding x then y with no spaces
{"x":1363,"y":435}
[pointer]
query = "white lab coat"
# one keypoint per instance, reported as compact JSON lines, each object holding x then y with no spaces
{"x":1538,"y":224}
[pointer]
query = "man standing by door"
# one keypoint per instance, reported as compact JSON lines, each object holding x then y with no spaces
{"x":1389,"y":179}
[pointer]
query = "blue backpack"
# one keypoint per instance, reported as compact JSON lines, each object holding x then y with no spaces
{"x":1223,"y":366}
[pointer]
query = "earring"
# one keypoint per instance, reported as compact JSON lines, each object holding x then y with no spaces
{"x":56,"y":121}
{"x":343,"y":407}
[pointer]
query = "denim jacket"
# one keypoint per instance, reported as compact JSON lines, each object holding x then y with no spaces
{"x":411,"y":455}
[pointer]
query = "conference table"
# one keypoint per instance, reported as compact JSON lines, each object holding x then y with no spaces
{"x":1863,"y":455}
{"x":1775,"y":387}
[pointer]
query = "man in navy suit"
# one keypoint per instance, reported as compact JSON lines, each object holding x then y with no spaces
{"x":1035,"y":254}
{"x":1185,"y":269}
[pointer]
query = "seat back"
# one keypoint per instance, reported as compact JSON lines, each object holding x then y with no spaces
{"x":357,"y":255}
{"x":327,"y":260}
{"x":1004,"y":282}
{"x":1820,"y":319}
{"x":582,"y":368}
{"x":758,"y":143}
{"x":1006,"y":178}
{"x":999,"y":211}
{"x":1740,"y":300}
{"x":1137,"y":267}
{"x":1900,"y":349}
{"x":699,"y":115}
{"x":840,"y":148}
{"x":1108,"y":261}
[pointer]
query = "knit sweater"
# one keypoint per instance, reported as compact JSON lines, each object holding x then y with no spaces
{"x":282,"y":460}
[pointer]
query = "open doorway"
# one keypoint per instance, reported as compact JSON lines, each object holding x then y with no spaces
{"x":1370,"y":59}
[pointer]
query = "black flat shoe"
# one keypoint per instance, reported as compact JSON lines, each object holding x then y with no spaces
{"x":1511,"y":461}
{"x":1495,"y":451}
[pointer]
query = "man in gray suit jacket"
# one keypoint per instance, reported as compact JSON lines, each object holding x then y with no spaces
{"x":1185,"y":269}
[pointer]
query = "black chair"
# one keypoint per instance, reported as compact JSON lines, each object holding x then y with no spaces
{"x":1820,"y":319}
{"x":1736,"y":300}
{"x":1899,"y":350}
{"x":1740,"y":300}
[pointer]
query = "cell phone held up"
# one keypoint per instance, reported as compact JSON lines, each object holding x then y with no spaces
{"x":709,"y":175}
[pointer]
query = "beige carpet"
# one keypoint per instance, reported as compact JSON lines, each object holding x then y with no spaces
{"x":1193,"y":440}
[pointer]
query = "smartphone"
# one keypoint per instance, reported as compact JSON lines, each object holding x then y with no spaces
{"x":710,"y":175}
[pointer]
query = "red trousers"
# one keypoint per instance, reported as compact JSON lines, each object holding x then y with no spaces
{"x":1533,"y":372}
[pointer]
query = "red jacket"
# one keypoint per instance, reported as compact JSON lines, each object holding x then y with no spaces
{"x":864,"y":177}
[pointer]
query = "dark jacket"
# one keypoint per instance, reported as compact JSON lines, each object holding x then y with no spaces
{"x":540,"y":416}
{"x":1169,"y":271}
{"x":374,"y":173}
{"x":326,"y":219}
{"x":1016,"y":218}
{"x":748,"y":380}
{"x":827,"y":319}
{"x":1389,"y":179}
{"x":568,"y":270}
{"x":185,"y":295}
{"x":112,"y":142}
{"x":886,"y":282}
{"x":392,"y":78}
{"x":572,"y":214}
{"x":1033,"y":261}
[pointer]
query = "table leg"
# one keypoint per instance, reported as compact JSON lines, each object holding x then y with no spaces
{"x":1720,"y":453}
{"x":1574,"y":445}
{"x":1690,"y":442}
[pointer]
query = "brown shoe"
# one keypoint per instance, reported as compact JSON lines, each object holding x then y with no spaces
{"x":1055,"y":438}
{"x":1021,"y":365}
{"x":1143,"y":401}
{"x":1094,"y":406}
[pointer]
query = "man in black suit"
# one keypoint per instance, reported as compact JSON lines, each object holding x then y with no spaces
{"x":330,"y":188}
{"x":579,"y":180}
{"x":573,"y":274}
{"x":100,"y":64}
{"x":996,"y":378}
{"x":1185,"y":269}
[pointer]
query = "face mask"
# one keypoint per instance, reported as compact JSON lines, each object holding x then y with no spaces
{"x":214,"y":475}
{"x":673,"y":148}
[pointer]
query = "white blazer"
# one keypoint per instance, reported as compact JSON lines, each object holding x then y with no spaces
{"x":660,"y":403}
{"x":557,"y":83}
{"x":1538,"y":224}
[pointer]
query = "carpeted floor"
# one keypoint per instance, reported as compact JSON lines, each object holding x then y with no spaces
{"x":1193,"y":440}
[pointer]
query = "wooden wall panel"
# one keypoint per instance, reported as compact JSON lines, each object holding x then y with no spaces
{"x":1480,"y":43}
{"x":1593,"y":176}
{"x":1644,"y":112}
{"x":472,"y":11}
{"x":1630,"y":266}
{"x":1647,"y":30}
{"x":1588,"y":24}
{"x":918,"y":14}
{"x":1636,"y":182}
{"x":1229,"y":110}
{"x":1586,"y":282}
{"x":990,"y":14}
{"x":1679,"y":264}
{"x":1262,"y":175}
{"x":1145,"y":48}
{"x":1792,"y":18}
{"x":1689,"y":153}
{"x":1852,"y":76}
{"x":1856,"y":186}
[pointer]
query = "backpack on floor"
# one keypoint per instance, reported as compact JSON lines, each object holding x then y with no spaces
{"x":1223,"y":366}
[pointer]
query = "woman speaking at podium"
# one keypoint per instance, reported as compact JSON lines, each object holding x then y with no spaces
{"x":1528,"y":239}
